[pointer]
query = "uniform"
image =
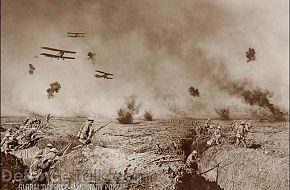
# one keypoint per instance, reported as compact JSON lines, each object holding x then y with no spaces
{"x":85,"y":132}
{"x":47,"y":149}
{"x":36,"y":168}
{"x":191,"y":160}
{"x":48,"y":117}
{"x":7,"y":134}
{"x":241,"y":134}
{"x":25,"y":137}
{"x":217,"y":135}
{"x":50,"y":156}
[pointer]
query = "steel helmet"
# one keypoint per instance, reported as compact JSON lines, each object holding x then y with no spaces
{"x":38,"y":154}
{"x":90,"y":118}
{"x":49,"y":145}
{"x":53,"y":150}
{"x":243,"y":123}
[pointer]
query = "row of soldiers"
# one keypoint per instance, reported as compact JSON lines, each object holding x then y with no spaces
{"x":19,"y":139}
{"x":36,"y":122}
{"x":24,"y":136}
{"x":241,"y":128}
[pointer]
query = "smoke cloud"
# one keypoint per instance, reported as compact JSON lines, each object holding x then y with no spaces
{"x":156,"y":50}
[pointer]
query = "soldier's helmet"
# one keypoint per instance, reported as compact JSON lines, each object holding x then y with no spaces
{"x":219,"y":127}
{"x":38,"y":154}
{"x":90,"y":119}
{"x":9,"y":130}
{"x":49,"y":145}
{"x":194,"y":152}
{"x":53,"y":150}
{"x":243,"y":123}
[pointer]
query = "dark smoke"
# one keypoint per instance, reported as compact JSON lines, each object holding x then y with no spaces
{"x":54,"y":88}
{"x":224,"y":113}
{"x":31,"y":69}
{"x":255,"y":96}
{"x":92,"y":56}
{"x":251,"y":55}
{"x":148,"y":116}
{"x":126,"y":114}
{"x":193,"y":91}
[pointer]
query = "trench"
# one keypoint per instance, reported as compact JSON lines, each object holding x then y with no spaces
{"x":192,"y":180}
{"x":11,"y":167}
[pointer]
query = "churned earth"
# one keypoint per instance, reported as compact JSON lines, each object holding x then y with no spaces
{"x":147,"y":155}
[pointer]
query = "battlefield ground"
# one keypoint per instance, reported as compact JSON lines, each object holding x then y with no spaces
{"x":146,"y":153}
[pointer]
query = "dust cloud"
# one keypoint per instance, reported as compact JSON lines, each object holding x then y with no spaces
{"x":156,"y":49}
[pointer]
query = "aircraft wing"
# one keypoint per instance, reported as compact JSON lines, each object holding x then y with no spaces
{"x":60,"y":50}
{"x":75,"y":33}
{"x":99,"y":76}
{"x":75,"y":36}
{"x":56,"y":56}
{"x":109,"y":78}
{"x":67,"y":57}
{"x":50,"y":55}
{"x":104,"y":72}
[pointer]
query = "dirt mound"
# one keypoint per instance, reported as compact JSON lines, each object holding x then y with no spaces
{"x":148,"y":155}
{"x":10,"y":165}
{"x":243,"y":168}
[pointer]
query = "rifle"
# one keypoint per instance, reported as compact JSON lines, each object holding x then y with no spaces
{"x":31,"y":140}
{"x":61,"y":152}
{"x":11,"y":124}
{"x":94,"y":131}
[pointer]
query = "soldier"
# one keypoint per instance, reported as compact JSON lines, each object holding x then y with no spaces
{"x":37,"y":167}
{"x":27,"y":121}
{"x":86,"y":131}
{"x":248,"y":128}
{"x":191,"y":158}
{"x":7,"y":134}
{"x":217,"y":135}
{"x":48,"y":117}
{"x":191,"y":165}
{"x":207,"y":127}
{"x":11,"y":143}
{"x":19,"y":134}
{"x":26,"y":138}
{"x":241,"y":132}
{"x":50,"y":156}
{"x":46,"y":150}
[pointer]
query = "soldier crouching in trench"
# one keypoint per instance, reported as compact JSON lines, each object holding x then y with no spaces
{"x":85,"y":133}
{"x":36,"y":170}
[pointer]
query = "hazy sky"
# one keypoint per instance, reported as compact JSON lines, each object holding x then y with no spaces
{"x":156,"y":49}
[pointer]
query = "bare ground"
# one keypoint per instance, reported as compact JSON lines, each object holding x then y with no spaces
{"x":140,"y":155}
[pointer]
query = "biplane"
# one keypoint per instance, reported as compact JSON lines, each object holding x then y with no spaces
{"x":60,"y":54}
{"x":101,"y":74}
{"x":75,"y":34}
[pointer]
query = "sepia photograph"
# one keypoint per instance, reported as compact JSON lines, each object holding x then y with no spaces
{"x":144,"y":95}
